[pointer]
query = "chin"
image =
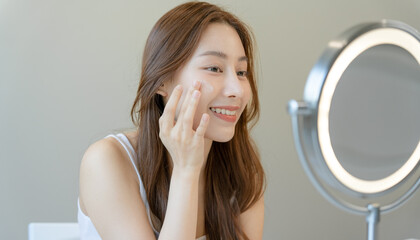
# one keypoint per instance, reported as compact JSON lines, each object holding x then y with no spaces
{"x":220,"y":137}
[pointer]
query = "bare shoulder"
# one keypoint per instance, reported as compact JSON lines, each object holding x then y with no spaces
{"x":109,"y":192}
{"x":104,"y":163}
{"x":102,"y":152}
{"x":105,"y":158}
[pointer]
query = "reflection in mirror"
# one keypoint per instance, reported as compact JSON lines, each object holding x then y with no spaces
{"x":375,"y":113}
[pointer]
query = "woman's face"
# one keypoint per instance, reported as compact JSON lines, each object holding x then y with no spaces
{"x":219,"y":62}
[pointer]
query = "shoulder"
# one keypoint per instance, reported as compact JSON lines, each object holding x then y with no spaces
{"x":102,"y":148}
{"x":102,"y":155}
{"x":110,"y":192}
{"x":106,"y":158}
{"x":105,"y":163}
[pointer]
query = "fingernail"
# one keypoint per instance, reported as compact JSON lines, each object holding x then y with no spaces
{"x":179,"y":87}
{"x":196,"y":84}
{"x":196,"y":94}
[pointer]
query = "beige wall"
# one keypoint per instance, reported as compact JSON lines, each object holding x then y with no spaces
{"x":68,"y":74}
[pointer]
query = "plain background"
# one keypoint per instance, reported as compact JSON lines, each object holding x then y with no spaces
{"x":69,"y":72}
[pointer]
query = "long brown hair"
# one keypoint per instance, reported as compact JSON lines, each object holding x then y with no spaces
{"x":234,"y":176}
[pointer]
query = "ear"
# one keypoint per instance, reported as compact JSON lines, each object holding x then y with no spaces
{"x":162,"y":91}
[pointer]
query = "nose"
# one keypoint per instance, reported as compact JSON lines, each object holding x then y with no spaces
{"x":233,"y":86}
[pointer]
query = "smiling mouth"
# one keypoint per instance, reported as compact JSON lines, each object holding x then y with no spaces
{"x":225,"y":114}
{"x":223,"y":111}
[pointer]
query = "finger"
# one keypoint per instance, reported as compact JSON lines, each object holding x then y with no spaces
{"x":197,"y":85}
{"x":187,"y":99}
{"x":201,"y":129}
{"x":184,"y":104}
{"x":169,"y":111}
{"x":189,"y":114}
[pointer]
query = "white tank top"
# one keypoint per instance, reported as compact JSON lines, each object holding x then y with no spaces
{"x":87,"y":229}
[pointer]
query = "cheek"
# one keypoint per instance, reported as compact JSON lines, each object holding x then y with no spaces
{"x":247,"y":92}
{"x":206,"y":90}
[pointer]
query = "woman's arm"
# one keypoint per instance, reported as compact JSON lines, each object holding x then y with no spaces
{"x":109,"y":189}
{"x":181,"y":214}
{"x":186,"y":148}
{"x":252,"y":220}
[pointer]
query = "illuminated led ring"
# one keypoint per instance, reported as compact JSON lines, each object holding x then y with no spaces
{"x":367,"y":40}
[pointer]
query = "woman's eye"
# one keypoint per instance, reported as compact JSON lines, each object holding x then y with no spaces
{"x":214,"y":69}
{"x":242,"y":73}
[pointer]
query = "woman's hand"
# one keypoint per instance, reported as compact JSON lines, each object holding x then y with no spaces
{"x":185,"y":145}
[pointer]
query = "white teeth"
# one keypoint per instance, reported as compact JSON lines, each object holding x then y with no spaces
{"x":223,"y":111}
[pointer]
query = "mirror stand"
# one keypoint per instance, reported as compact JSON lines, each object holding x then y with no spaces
{"x":372,"y":220}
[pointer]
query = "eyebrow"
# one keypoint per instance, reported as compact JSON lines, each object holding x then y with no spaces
{"x":222,"y":55}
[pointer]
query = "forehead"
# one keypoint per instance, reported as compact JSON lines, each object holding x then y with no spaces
{"x":220,"y":37}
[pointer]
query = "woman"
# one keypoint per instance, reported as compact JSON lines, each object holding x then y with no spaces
{"x":190,"y":170}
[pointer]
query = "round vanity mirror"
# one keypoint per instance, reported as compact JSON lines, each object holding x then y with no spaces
{"x":357,"y":131}
{"x":374,"y":117}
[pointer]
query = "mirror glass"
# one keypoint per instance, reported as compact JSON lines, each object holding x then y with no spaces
{"x":375,"y":112}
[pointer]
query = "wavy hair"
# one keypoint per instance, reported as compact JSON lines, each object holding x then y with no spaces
{"x":234,"y":176}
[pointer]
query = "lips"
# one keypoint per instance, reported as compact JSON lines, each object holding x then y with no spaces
{"x":226,"y":113}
